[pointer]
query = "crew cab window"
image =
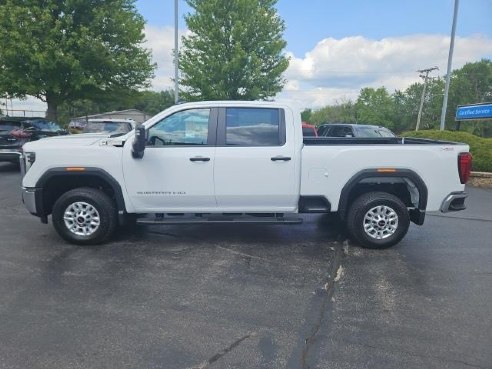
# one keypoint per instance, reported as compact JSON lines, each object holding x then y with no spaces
{"x":188,"y":127}
{"x":254,"y":127}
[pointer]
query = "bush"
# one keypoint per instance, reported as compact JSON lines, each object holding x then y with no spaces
{"x":481,"y":148}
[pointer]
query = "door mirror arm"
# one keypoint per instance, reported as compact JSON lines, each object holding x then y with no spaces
{"x":138,"y":144}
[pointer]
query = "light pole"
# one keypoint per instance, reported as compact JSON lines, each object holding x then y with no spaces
{"x":450,"y":60}
{"x":176,"y":53}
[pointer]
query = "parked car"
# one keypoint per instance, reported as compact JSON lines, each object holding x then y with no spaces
{"x":111,"y":126}
{"x":239,"y":161}
{"x":16,"y":131}
{"x":353,"y":130}
{"x":308,"y":130}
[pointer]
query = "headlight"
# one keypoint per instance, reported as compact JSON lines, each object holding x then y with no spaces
{"x":29,"y":159}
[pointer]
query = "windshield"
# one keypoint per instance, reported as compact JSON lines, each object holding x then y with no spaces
{"x":374,"y":132}
{"x":42,"y":125}
{"x":107,"y":127}
{"x":385,"y":132}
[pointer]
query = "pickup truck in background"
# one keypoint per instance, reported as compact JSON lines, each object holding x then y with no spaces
{"x":237,"y":161}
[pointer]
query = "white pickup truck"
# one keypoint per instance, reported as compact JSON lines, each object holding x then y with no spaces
{"x":229,"y":161}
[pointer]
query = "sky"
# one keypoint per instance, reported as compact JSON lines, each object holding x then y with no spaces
{"x":337,"y":47}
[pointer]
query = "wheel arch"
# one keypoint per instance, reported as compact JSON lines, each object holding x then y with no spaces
{"x":391,"y":181}
{"x":56,"y":181}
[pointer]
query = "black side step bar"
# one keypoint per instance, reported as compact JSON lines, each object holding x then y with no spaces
{"x":217,"y":219}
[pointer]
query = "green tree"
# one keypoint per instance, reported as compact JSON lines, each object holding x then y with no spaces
{"x":375,"y":106}
{"x":407,"y":105}
{"x":69,"y":50}
{"x":341,"y":112}
{"x":234,"y":51}
{"x":471,"y":84}
{"x":153,"y":102}
{"x":306,"y":115}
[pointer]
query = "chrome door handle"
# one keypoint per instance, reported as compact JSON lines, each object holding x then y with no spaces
{"x":280,"y":158}
{"x":199,"y":158}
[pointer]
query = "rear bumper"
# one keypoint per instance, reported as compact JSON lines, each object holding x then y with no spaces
{"x":10,"y":155}
{"x":455,"y":201}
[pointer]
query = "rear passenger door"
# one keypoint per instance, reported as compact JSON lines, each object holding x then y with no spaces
{"x":255,"y":165}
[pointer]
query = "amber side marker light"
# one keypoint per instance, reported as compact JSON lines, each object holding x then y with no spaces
{"x":75,"y":169}
{"x":386,"y":170}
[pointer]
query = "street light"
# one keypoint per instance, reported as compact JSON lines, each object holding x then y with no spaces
{"x":450,"y":60}
{"x":176,"y":53}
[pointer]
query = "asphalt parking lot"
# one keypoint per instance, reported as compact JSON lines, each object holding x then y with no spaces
{"x":246,"y":296}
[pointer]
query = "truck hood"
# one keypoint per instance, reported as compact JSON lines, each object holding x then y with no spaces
{"x":85,"y":139}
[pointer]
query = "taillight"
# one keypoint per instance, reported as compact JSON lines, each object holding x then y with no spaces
{"x":464,"y":166}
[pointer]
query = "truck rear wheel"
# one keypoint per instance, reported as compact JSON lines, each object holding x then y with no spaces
{"x":84,"y":216}
{"x":378,"y":220}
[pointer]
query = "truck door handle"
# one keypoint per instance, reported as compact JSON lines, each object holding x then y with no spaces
{"x":199,"y":158}
{"x":280,"y":158}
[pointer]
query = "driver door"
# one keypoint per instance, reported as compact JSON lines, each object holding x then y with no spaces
{"x":176,"y":171}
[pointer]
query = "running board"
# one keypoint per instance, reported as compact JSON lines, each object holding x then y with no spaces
{"x":217,"y":219}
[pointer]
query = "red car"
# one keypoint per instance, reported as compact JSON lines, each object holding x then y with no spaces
{"x":308,"y":130}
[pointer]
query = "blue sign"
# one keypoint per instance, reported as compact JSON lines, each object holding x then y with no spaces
{"x":479,"y":111}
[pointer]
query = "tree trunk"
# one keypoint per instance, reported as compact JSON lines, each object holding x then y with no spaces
{"x":52,"y":112}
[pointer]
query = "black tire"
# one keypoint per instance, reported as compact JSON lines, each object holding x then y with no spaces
{"x":382,"y":231}
{"x":97,"y":231}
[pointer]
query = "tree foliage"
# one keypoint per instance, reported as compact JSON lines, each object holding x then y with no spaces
{"x":341,"y":112}
{"x":375,"y":106}
{"x":234,"y":50}
{"x":67,"y":50}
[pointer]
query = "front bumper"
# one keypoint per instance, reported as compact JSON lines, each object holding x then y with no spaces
{"x":455,"y":201}
{"x":33,"y":201}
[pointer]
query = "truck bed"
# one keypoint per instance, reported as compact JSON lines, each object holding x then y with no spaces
{"x":311,"y":141}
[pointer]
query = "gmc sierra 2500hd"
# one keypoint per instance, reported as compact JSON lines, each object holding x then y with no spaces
{"x":229,"y":161}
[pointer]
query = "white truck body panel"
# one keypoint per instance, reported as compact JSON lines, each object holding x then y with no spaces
{"x":326,"y":169}
{"x":241,"y":179}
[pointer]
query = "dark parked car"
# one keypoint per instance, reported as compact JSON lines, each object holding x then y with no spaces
{"x":16,"y":131}
{"x":353,"y":130}
{"x":308,"y":130}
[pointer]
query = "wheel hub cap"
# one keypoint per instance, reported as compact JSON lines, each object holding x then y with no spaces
{"x":81,"y":218}
{"x":380,"y":222}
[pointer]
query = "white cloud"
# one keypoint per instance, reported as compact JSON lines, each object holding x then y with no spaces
{"x":338,"y":68}
{"x":161,"y":41}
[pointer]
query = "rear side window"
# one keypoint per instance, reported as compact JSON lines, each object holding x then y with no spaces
{"x":254,"y":127}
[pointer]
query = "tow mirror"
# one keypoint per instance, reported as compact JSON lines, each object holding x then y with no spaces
{"x":138,"y":145}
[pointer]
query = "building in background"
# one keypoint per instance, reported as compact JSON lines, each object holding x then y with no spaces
{"x":134,"y":114}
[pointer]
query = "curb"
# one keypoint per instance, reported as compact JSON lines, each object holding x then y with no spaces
{"x":481,"y":179}
{"x":481,"y":174}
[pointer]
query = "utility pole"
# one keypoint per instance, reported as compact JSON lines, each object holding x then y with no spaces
{"x":424,"y":73}
{"x":450,"y":61}
{"x":176,"y":53}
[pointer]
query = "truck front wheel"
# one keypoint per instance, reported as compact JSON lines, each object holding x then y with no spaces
{"x":378,"y":220}
{"x":84,"y":216}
